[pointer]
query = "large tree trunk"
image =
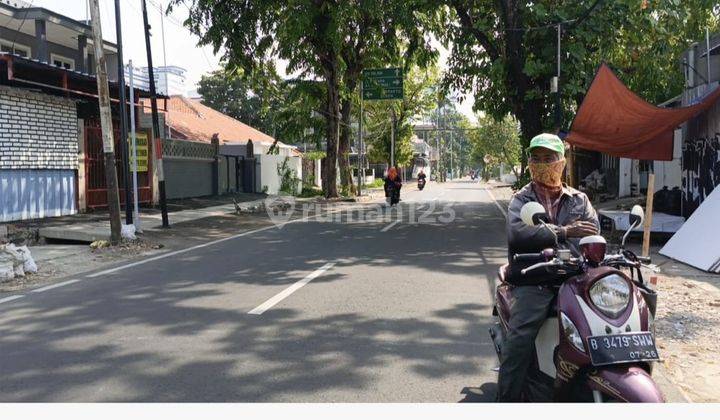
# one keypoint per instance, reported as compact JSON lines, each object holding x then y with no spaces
{"x":530,"y":117}
{"x":344,"y":147}
{"x":332,"y":132}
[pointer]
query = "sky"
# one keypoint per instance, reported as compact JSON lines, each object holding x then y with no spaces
{"x":181,"y":46}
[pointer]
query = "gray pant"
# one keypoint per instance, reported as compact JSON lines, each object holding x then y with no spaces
{"x":528,"y":311}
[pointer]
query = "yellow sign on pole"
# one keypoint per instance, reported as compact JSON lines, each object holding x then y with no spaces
{"x":141,"y":149}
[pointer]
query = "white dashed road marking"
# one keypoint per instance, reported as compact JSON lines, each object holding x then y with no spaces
{"x":55,"y":286}
{"x":388,"y":227}
{"x":290,"y":290}
{"x":10,"y":298}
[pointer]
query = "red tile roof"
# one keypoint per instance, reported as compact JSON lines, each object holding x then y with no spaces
{"x":190,"y":119}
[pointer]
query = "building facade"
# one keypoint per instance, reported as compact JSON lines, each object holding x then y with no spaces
{"x":49,"y":37}
{"x":51,"y":148}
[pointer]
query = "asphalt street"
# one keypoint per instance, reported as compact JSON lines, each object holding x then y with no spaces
{"x":368,"y":305}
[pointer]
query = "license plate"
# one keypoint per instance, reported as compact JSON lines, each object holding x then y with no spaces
{"x":622,"y":348}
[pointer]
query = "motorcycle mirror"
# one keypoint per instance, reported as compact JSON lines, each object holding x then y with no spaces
{"x":532,"y":213}
{"x":636,"y":215}
{"x":636,"y":219}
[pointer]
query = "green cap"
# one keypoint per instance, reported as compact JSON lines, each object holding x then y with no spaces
{"x":548,"y":141}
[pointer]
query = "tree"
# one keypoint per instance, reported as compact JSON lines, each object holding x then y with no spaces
{"x":241,"y":96}
{"x":319,"y":39}
{"x":419,"y":99}
{"x":306,"y":33}
{"x":505,"y":51}
{"x":495,"y":142}
{"x":384,"y":32}
{"x":284,"y":109}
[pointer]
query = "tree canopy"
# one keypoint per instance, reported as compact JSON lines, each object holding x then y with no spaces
{"x":506,"y":51}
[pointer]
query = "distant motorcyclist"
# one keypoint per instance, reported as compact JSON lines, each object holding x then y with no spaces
{"x":392,"y":187}
{"x":421,"y":175}
{"x":571,"y":217}
{"x":421,"y":179}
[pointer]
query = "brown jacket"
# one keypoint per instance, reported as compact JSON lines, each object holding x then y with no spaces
{"x":574,"y":206}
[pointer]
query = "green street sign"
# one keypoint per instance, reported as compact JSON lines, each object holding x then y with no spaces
{"x":382,"y":84}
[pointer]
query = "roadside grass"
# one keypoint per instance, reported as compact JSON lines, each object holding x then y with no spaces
{"x":309,"y":192}
{"x":377,"y":183}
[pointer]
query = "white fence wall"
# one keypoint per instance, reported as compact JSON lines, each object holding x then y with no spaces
{"x":268,"y":171}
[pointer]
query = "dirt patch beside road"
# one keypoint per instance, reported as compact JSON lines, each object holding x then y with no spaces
{"x":687,"y":325}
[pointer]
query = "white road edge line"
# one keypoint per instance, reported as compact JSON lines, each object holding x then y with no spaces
{"x":11,"y":298}
{"x":502,"y":210}
{"x":388,"y":227}
{"x":290,"y":290}
{"x":192,"y":248}
{"x":55,"y":286}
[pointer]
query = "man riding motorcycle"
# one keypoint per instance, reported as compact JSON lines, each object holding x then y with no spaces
{"x":571,"y":217}
{"x":421,"y":179}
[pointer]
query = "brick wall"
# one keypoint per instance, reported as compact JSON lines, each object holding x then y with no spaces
{"x":37,"y":131}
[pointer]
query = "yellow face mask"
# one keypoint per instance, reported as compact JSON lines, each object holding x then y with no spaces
{"x":548,"y":174}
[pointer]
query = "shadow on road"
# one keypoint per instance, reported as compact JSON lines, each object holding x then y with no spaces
{"x":166,"y":331}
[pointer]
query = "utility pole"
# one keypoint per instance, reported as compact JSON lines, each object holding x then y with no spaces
{"x":707,"y":52}
{"x":437,"y":143}
{"x":162,"y":30}
{"x":106,"y":124}
{"x":451,"y":154}
{"x":392,"y":138}
{"x":361,"y":166}
{"x":558,"y":103}
{"x":123,"y":116}
{"x":155,"y":119}
{"x":136,"y":215}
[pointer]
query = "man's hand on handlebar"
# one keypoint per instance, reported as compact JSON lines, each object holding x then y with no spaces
{"x":580,"y":229}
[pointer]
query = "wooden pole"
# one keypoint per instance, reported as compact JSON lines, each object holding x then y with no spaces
{"x":106,"y":124}
{"x":571,"y":167}
{"x":648,"y":215}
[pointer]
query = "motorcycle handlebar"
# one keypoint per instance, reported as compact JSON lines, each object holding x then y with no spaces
{"x":644,"y":260}
{"x":535,"y":257}
{"x":540,"y":265}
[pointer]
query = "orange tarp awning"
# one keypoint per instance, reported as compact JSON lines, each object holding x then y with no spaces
{"x":614,"y":120}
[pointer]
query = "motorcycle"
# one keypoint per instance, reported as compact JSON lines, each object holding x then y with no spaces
{"x":421,"y":184}
{"x":597,"y":343}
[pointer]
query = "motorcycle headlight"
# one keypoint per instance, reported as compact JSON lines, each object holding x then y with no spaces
{"x":571,"y":332}
{"x":611,"y":295}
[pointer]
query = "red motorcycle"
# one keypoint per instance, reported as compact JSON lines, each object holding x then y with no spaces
{"x":598,"y":341}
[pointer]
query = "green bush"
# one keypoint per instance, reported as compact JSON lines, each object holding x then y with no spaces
{"x":522,"y":181}
{"x":288,"y":178}
{"x":308,"y":192}
{"x":377,"y":183}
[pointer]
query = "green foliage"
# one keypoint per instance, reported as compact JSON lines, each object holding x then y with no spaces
{"x":289,"y":180}
{"x":522,"y":181}
{"x":453,"y":138}
{"x":314,"y":155}
{"x":496,"y":142}
{"x":308,"y":192}
{"x":377,"y":183}
{"x":262,"y":100}
{"x":419,"y":99}
{"x":319,"y":39}
{"x":506,"y":51}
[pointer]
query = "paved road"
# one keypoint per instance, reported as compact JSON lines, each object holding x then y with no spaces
{"x":378,"y":311}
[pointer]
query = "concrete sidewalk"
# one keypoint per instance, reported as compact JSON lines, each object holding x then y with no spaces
{"x":95,"y":231}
